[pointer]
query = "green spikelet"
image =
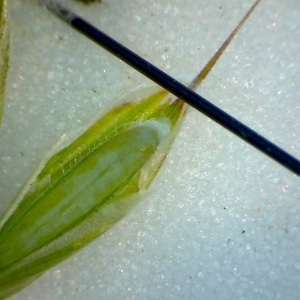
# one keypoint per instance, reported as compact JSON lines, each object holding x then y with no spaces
{"x":85,"y":188}
{"x":4,"y":52}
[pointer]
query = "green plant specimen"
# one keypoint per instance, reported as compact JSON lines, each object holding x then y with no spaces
{"x":86,"y":187}
{"x":4,"y":52}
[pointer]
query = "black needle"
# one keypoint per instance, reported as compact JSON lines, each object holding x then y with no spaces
{"x":177,"y":88}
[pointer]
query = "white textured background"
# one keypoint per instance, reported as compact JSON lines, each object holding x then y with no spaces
{"x":221,"y":221}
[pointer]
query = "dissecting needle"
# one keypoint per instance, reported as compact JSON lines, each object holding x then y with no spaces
{"x":176,"y":88}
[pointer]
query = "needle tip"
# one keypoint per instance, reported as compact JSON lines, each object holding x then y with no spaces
{"x":60,"y":11}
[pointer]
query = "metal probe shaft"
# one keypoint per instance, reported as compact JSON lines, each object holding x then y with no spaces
{"x":177,"y":88}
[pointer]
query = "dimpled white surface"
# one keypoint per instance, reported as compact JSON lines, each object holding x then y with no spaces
{"x":221,"y":220}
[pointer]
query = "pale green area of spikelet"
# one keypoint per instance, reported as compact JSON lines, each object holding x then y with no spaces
{"x":4,"y":52}
{"x":85,"y":188}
